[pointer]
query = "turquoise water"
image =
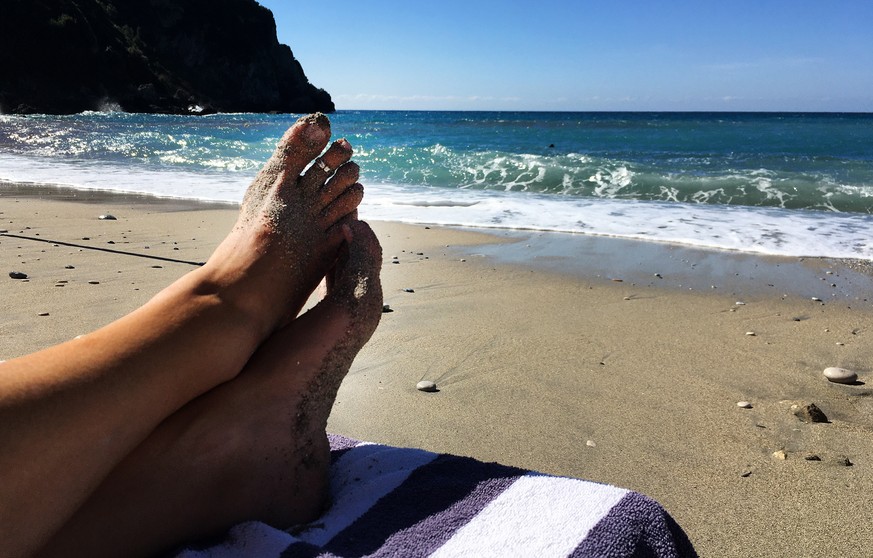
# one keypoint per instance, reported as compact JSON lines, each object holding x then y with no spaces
{"x":777,"y":183}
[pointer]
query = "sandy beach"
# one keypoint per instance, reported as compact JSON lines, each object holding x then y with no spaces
{"x":616,"y":361}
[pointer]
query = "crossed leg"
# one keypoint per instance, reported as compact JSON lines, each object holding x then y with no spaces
{"x":252,"y":448}
{"x":71,"y":413}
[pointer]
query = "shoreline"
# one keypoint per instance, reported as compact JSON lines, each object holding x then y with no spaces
{"x":537,"y":351}
{"x":617,"y":259}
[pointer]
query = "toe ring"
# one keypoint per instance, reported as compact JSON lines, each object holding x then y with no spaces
{"x":322,"y":166}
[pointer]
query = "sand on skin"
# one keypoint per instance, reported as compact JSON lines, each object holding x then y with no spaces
{"x":533,"y":363}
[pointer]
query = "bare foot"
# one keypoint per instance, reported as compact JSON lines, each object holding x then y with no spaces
{"x":71,"y":413}
{"x":288,"y":231}
{"x":252,"y":448}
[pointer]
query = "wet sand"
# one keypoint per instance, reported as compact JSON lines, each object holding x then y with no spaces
{"x":561,"y":353}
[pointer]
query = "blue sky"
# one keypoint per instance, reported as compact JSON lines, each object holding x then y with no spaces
{"x":585,"y":55}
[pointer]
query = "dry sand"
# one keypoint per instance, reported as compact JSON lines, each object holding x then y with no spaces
{"x":559,"y":353}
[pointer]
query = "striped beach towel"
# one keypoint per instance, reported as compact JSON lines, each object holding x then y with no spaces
{"x":389,"y":501}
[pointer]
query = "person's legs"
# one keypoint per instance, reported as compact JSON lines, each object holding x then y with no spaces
{"x":252,"y":448}
{"x":71,"y":413}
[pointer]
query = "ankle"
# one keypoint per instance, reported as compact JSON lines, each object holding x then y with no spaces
{"x":241,"y":301}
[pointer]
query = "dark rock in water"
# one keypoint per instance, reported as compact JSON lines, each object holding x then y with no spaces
{"x":180,"y":57}
{"x":809,"y":413}
{"x":17,"y":275}
{"x":107,"y":217}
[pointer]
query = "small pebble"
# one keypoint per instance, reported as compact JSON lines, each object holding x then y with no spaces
{"x":840,"y":343}
{"x":43,"y":314}
{"x":740,"y":303}
{"x":744,"y":405}
{"x":809,"y":413}
{"x":93,"y":282}
{"x":816,"y":299}
{"x":426,"y":385}
{"x":840,"y":375}
{"x":386,"y":309}
{"x":750,"y":333}
{"x":591,"y":444}
{"x":408,"y":290}
{"x":107,"y":217}
{"x":157,"y":267}
{"x":844,"y":461}
{"x":69,"y":267}
{"x":17,"y":275}
{"x":812,"y":457}
{"x":745,"y":473}
{"x":780,"y":454}
{"x":659,"y":276}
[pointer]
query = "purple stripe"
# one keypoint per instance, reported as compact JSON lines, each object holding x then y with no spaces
{"x":421,"y":514}
{"x":302,"y":550}
{"x":429,"y":534}
{"x":636,"y":527}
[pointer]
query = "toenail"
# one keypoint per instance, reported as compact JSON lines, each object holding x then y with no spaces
{"x":314,"y":133}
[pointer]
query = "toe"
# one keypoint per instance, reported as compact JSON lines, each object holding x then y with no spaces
{"x":337,"y":154}
{"x":343,"y":205}
{"x":302,"y":143}
{"x":345,"y":176}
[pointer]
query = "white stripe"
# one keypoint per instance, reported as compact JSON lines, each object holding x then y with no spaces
{"x":359,"y":478}
{"x":538,"y":516}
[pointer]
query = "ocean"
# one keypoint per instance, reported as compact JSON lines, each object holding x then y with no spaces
{"x":773,"y":183}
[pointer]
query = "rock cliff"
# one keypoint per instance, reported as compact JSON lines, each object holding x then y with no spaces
{"x":167,"y":56}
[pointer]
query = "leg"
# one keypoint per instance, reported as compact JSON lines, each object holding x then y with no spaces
{"x":69,"y":414}
{"x":252,"y":448}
